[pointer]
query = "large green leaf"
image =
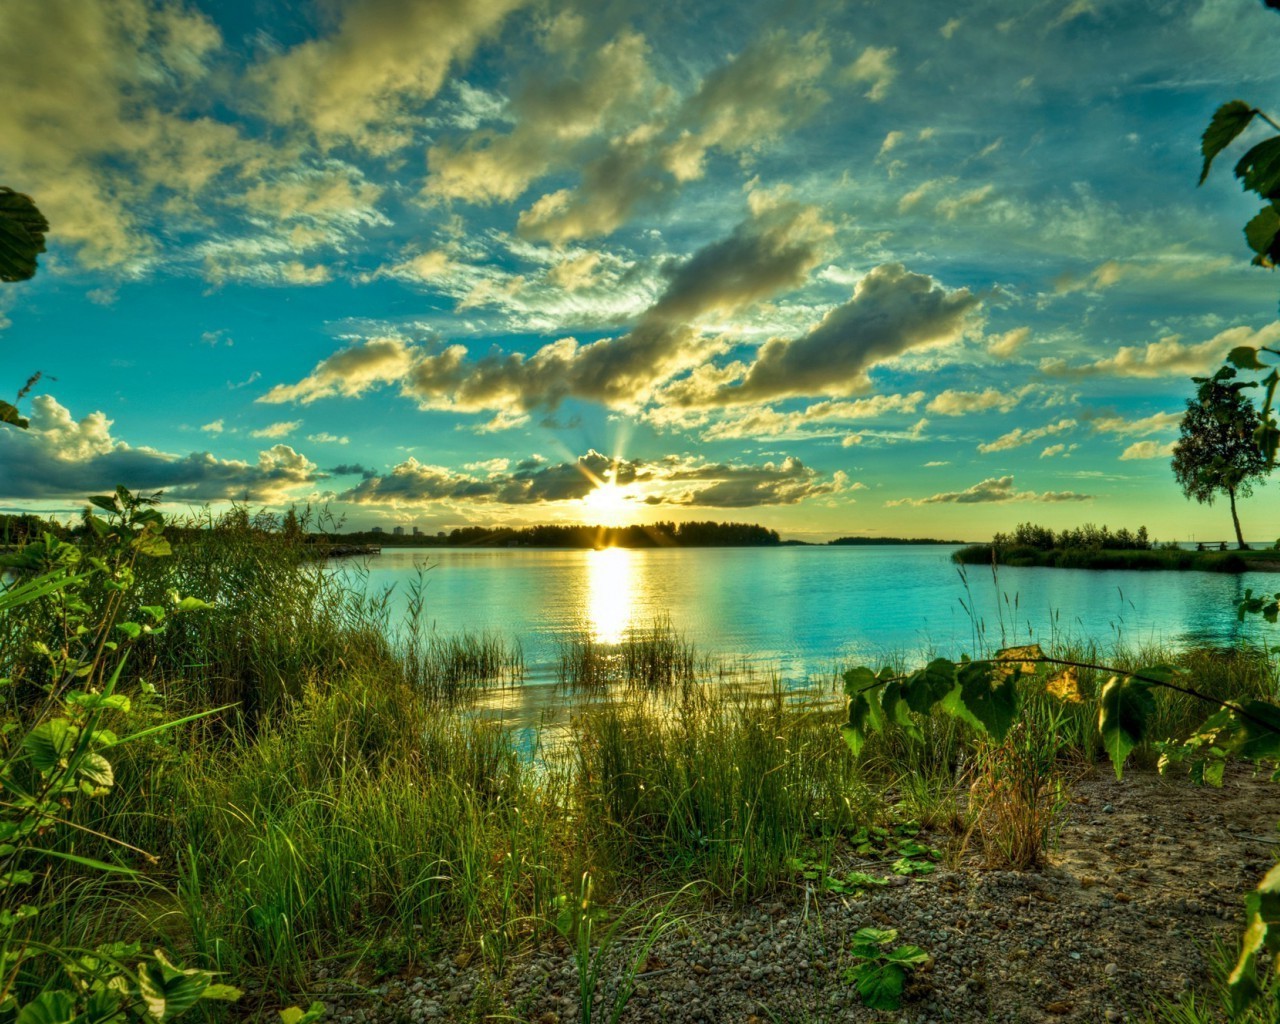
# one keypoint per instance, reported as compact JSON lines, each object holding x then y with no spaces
{"x":1229,"y":120}
{"x":55,"y":1007}
{"x":1259,"y":169}
{"x":1259,"y":730}
{"x":985,"y":696}
{"x":1125,"y":708}
{"x":22,"y":230}
{"x":881,"y":987}
{"x":50,"y":742}
{"x":927,"y":686}
{"x":1260,"y":234}
{"x":1245,"y":357}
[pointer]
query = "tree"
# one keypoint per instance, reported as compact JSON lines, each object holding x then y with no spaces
{"x":22,"y":231}
{"x":1216,"y":451}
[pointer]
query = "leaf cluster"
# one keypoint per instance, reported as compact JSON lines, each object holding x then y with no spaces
{"x":880,"y":973}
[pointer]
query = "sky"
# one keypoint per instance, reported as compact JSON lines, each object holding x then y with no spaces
{"x":839,"y":268}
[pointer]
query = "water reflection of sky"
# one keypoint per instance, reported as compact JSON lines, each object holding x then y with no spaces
{"x":806,"y":612}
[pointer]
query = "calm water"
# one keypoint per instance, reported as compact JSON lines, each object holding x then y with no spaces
{"x":806,"y":612}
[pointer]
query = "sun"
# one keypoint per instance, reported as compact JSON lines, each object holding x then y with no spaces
{"x":608,"y":503}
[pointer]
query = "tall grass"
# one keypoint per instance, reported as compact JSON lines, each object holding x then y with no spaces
{"x":349,"y":808}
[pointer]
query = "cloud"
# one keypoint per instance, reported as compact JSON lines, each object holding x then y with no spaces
{"x":1168,"y":357}
{"x":673,"y":480}
{"x":874,"y":66}
{"x":740,"y":107}
{"x":763,"y":421}
{"x":1149,"y":267}
{"x":772,"y":251}
{"x":993,"y":490}
{"x":360,"y":84}
{"x":961,"y":403}
{"x":738,"y":486}
{"x":324,"y":437}
{"x":1017,"y":437}
{"x":555,"y":115}
{"x":352,"y":469}
{"x":1153,"y":424}
{"x":62,"y":457}
{"x":275,"y":431}
{"x":1147,"y":450}
{"x":531,"y":482}
{"x":1005,"y":345}
{"x":892,"y":311}
{"x":215,"y":427}
{"x":1054,"y":450}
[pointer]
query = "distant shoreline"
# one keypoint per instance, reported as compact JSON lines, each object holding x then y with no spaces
{"x":1157,"y":559}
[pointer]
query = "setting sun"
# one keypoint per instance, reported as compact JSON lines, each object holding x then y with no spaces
{"x":608,"y":504}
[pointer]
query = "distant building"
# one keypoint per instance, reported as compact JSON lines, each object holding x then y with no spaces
{"x":398,"y":531}
{"x":377,"y":529}
{"x":417,"y":532}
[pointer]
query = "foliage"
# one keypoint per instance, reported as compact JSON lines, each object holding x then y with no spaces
{"x":56,"y":755}
{"x":22,"y":231}
{"x":1216,"y":449}
{"x":1099,"y":538}
{"x":988,"y":696}
{"x":879,"y":973}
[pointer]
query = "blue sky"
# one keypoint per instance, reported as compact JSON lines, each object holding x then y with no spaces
{"x":908,"y":269}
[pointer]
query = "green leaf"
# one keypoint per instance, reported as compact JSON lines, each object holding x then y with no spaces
{"x":1260,"y":233}
{"x":1259,"y":731}
{"x":130,"y":629}
{"x":876,"y":936}
{"x":105,"y":501}
{"x":927,"y":686}
{"x":1259,"y":169}
{"x":96,"y":769}
{"x":22,"y":231}
{"x":1125,"y":707}
{"x":1245,"y":357}
{"x":9,"y":414}
{"x":226,"y":993}
{"x":55,"y":1007}
{"x":856,"y":680}
{"x":881,"y":988}
{"x":152,"y":543}
{"x":50,"y":742}
{"x":192,"y":604}
{"x":167,"y":990}
{"x":985,"y":696}
{"x":1229,"y":120}
{"x":908,"y":955}
{"x":295,"y":1015}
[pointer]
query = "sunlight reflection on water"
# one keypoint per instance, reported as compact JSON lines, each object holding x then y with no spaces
{"x":611,"y":585}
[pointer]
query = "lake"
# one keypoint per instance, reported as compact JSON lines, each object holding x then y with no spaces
{"x":805,"y":613}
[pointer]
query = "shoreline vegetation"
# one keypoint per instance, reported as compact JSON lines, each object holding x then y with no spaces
{"x":1097,"y":547}
{"x":16,"y":530}
{"x":345,"y":822}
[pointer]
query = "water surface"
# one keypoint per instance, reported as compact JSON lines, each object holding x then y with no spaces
{"x":806,"y":612}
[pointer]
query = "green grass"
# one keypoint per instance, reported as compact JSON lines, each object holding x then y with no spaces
{"x":348,"y":809}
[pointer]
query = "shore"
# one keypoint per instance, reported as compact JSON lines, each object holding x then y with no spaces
{"x":1181,"y":560}
{"x":1147,"y":874}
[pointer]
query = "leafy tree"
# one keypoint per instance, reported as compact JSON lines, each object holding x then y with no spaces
{"x":22,"y":230}
{"x":1216,"y":452}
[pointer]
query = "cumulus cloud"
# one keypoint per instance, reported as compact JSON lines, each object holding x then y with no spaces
{"x":1147,"y":450}
{"x":961,"y":403}
{"x":874,"y":67}
{"x":1168,"y":357}
{"x":275,"y":431}
{"x":61,"y":456}
{"x":997,"y":490}
{"x":892,"y":311}
{"x":1006,"y":344}
{"x":673,"y":480}
{"x":359,"y":84}
{"x":1017,"y":437}
{"x":1154,"y":424}
{"x":769,"y":87}
{"x":772,"y":251}
{"x":554,"y":115}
